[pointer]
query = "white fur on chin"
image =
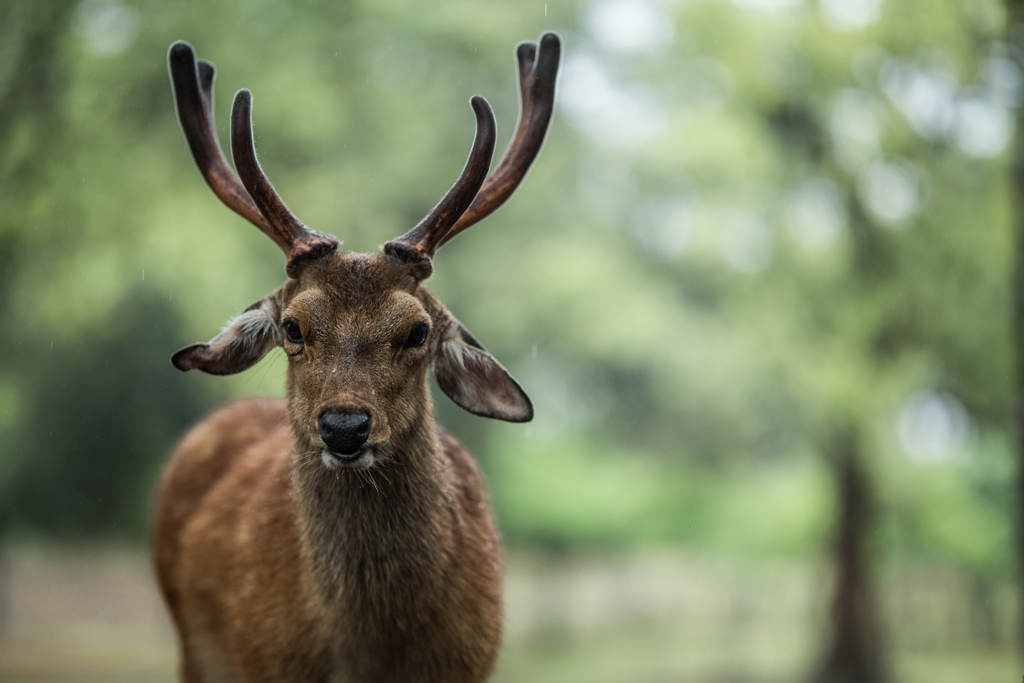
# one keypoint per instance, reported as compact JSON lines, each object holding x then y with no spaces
{"x":363,"y":462}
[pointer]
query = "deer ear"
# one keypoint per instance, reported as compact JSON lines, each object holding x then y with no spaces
{"x":475,"y":380}
{"x":245,"y":339}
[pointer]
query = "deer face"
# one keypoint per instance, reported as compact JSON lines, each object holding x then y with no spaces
{"x":361,"y":330}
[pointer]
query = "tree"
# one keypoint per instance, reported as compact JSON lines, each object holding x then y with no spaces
{"x":1015,"y":19}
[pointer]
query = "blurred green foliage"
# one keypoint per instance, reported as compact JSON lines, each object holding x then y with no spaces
{"x":755,"y":224}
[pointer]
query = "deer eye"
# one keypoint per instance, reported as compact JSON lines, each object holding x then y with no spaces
{"x":292,"y":331}
{"x":417,"y":335}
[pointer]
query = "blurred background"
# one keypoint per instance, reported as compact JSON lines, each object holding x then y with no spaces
{"x":759,"y":284}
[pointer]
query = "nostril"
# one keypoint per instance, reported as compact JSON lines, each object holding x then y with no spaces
{"x":344,"y":432}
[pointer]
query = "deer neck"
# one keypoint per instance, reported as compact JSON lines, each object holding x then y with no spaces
{"x":381,"y":534}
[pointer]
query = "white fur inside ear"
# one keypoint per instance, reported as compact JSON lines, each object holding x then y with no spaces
{"x":253,"y":330}
{"x":244,"y":340}
{"x":460,"y":353}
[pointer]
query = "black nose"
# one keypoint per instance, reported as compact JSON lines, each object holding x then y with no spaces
{"x":344,"y":432}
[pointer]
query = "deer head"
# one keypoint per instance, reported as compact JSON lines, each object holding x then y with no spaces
{"x":360,"y":330}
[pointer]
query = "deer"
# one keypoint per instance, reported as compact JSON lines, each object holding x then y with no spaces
{"x":340,"y":534}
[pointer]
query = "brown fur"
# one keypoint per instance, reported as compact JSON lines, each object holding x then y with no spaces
{"x":277,"y":567}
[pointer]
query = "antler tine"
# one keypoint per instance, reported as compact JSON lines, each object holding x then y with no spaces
{"x":538,"y":69}
{"x":298,"y":241}
{"x":192,"y":83}
{"x":422,"y":241}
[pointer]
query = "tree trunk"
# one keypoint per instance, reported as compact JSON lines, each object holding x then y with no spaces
{"x":5,"y":592}
{"x":855,"y":653}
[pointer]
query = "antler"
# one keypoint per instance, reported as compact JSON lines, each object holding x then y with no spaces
{"x":538,"y":67}
{"x":302,"y":242}
{"x":422,"y":241}
{"x":192,"y":81}
{"x":537,"y":72}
